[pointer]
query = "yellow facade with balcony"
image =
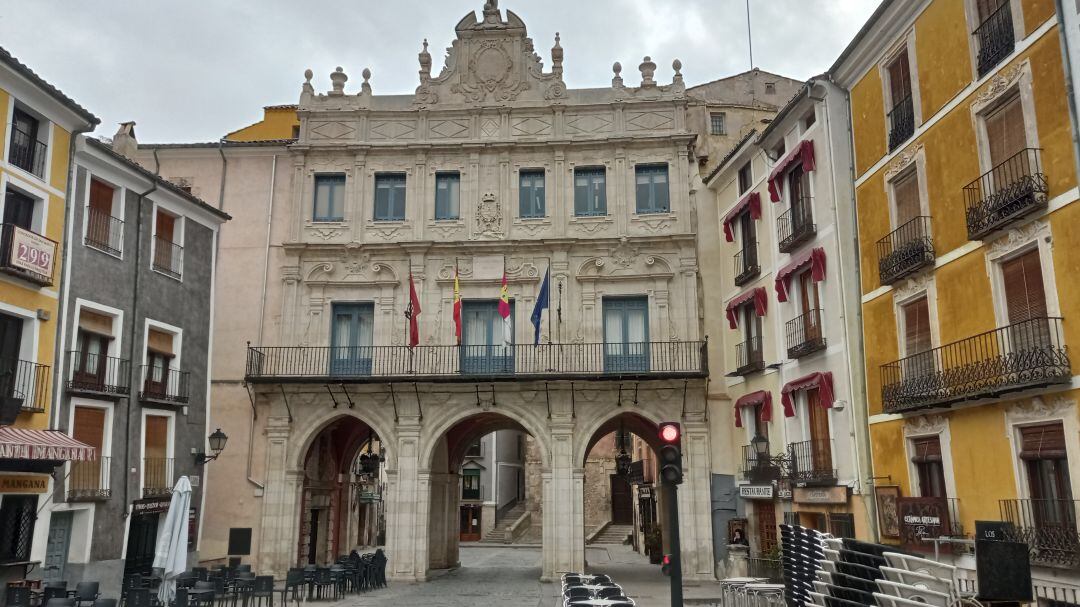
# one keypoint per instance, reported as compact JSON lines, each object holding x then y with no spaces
{"x":966,"y":184}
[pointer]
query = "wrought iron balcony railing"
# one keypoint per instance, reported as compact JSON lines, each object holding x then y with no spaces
{"x":104,"y":232}
{"x":644,"y":360}
{"x":164,"y":385}
{"x":804,"y":334}
{"x":746,"y":263}
{"x":901,"y":122}
{"x":1047,"y":526}
{"x":796,"y":225}
{"x":168,"y":257}
{"x":27,"y":153}
{"x":995,"y":37}
{"x":905,"y":250}
{"x":474,"y":494}
{"x":25,"y":254}
{"x":89,"y":480}
{"x":157,"y":476}
{"x":1007,"y":192}
{"x":765,"y":569}
{"x":761,"y":468}
{"x":811,"y":462}
{"x":25,"y":382}
{"x":98,"y":374}
{"x":749,"y":356}
{"x":1024,"y":355}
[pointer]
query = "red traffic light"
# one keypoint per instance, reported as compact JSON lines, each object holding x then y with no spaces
{"x":667,"y":559}
{"x":669,"y":432}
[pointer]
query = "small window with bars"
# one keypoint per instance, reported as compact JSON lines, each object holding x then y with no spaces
{"x":717,"y":123}
{"x":842,"y":524}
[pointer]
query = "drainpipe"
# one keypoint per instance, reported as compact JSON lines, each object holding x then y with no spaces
{"x":262,"y":314}
{"x":224,"y":173}
{"x":1070,"y":86}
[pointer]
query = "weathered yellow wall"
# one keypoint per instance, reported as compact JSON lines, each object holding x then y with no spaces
{"x":873,"y":205}
{"x":941,"y":32}
{"x":879,"y":333}
{"x":964,"y":304}
{"x":887,"y":440}
{"x":1036,"y":12}
{"x":1052,"y":113}
{"x":867,"y":110}
{"x":947,"y":172}
{"x":982,"y":461}
{"x":277,"y":123}
{"x":1065,"y":226}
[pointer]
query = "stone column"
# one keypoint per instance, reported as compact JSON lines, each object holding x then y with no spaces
{"x":437,"y":525}
{"x":280,"y":502}
{"x":407,"y":509}
{"x":563,"y":510}
{"x":695,"y":517}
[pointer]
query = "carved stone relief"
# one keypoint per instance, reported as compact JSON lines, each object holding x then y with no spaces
{"x":1040,"y":407}
{"x":489,"y":216}
{"x":925,"y":424}
{"x":393,"y":129}
{"x":904,"y":161}
{"x":1019,"y":237}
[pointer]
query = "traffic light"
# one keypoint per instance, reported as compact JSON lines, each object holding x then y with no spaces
{"x":671,"y":453}
{"x":665,"y":568}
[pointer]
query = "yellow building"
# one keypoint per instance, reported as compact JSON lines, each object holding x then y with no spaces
{"x":35,"y":158}
{"x":279,"y":123}
{"x":966,"y":185}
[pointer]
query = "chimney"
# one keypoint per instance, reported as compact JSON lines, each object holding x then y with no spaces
{"x":124,"y":142}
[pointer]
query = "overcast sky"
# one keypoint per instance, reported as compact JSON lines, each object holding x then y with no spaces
{"x":194,"y":70}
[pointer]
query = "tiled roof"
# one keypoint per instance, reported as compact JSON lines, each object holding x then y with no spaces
{"x":731,"y":153}
{"x":216,"y":144}
{"x":8,"y":59}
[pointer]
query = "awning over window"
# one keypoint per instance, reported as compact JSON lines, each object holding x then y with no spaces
{"x":821,"y":381}
{"x":752,"y":202}
{"x":815,"y":257}
{"x":761,"y":300}
{"x":42,"y":445}
{"x":754,"y":399}
{"x":804,"y":155}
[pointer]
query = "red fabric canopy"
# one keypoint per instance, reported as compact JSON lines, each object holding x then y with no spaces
{"x":815,"y":257}
{"x":761,"y":301}
{"x":753,"y":399}
{"x":753,"y":201}
{"x":42,"y":445}
{"x":804,"y":154}
{"x":821,"y":381}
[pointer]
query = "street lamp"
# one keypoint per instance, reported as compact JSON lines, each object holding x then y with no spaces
{"x":760,"y":445}
{"x":217,"y":442}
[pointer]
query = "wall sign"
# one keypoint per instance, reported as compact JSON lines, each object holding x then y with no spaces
{"x":888,"y":517}
{"x":922,"y":517}
{"x":151,"y":505}
{"x":32,"y":252}
{"x":821,"y":495}
{"x":24,"y":483}
{"x":756,"y":492}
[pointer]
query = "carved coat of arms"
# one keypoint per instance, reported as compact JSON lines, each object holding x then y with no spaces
{"x":489,"y":214}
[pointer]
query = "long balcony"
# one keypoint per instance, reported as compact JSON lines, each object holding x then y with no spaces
{"x":1013,"y":189}
{"x":25,"y":382}
{"x":905,"y":250}
{"x":901,"y":122}
{"x":796,"y":225}
{"x":760,"y":469}
{"x":996,"y":38}
{"x":164,"y":385}
{"x":157,"y":476}
{"x":749,"y":356}
{"x":811,"y":462}
{"x":1048,"y":527}
{"x":98,"y":374}
{"x":89,"y":480}
{"x":1024,"y":355}
{"x":104,"y":232}
{"x":28,"y":153}
{"x":803,"y":334}
{"x":375,"y":364}
{"x":168,"y":257}
{"x":26,"y":255}
{"x":747,"y":267}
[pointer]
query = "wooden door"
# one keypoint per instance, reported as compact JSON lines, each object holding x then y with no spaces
{"x":820,"y":441}
{"x":313,"y":536}
{"x":765,"y":518}
{"x":351,"y":338}
{"x":88,"y":428}
{"x":56,"y":550}
{"x":471,"y":518}
{"x":1025,"y":300}
{"x":622,"y":503}
{"x":808,"y":294}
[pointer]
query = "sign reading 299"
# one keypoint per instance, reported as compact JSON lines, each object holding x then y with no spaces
{"x":33,"y":252}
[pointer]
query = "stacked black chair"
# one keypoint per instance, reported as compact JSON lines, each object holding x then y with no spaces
{"x":802,"y":549}
{"x":112,"y":603}
{"x":139,"y":597}
{"x":294,"y":587}
{"x":18,"y":596}
{"x":85,"y":592}
{"x":52,"y":592}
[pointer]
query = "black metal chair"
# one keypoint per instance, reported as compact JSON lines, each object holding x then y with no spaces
{"x":17,"y":596}
{"x":325,"y":583}
{"x":85,"y":592}
{"x":139,"y":597}
{"x":180,"y":600}
{"x":49,"y":593}
{"x":202,"y":594}
{"x":60,"y":602}
{"x":294,"y":583}
{"x":262,"y":591}
{"x":242,"y":586}
{"x":609,"y":592}
{"x":201,"y":573}
{"x":131,"y":582}
{"x":105,"y":603}
{"x":577,"y":593}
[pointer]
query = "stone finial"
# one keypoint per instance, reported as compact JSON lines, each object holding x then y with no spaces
{"x":308,"y":75}
{"x":365,"y":87}
{"x":648,"y":70}
{"x":337,"y":79}
{"x":491,"y":11}
{"x":425,"y":62}
{"x":124,"y":142}
{"x":557,"y":54}
{"x":677,"y":66}
{"x":617,"y":81}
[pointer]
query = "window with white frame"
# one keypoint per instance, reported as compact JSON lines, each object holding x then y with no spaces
{"x":104,"y":227}
{"x":929,"y":466}
{"x":168,"y":257}
{"x":158,"y":463}
{"x":994,"y":34}
{"x":1045,"y":467}
{"x":447,"y":195}
{"x":90,"y":424}
{"x":162,"y":378}
{"x":28,"y":145}
{"x":900,"y":108}
{"x":329,"y":197}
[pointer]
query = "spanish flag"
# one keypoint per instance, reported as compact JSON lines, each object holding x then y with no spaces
{"x":457,"y":307}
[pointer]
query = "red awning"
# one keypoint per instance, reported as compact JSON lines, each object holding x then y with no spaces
{"x":753,"y":201}
{"x":42,"y":445}
{"x":761,"y":300}
{"x":815,"y":257}
{"x":804,"y":155}
{"x":821,"y":381}
{"x":753,"y":399}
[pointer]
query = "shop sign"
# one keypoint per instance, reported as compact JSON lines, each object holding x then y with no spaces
{"x":756,"y":492}
{"x":821,"y":495}
{"x":922,"y":517}
{"x":30,"y":251}
{"x":151,"y":505}
{"x":644,"y":492}
{"x":24,"y":483}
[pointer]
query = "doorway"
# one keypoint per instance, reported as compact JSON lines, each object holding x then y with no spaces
{"x":142,"y":543}
{"x":56,"y":551}
{"x":622,"y":502}
{"x":313,"y":537}
{"x":471,"y":518}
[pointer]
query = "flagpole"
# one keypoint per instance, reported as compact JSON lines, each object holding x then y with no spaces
{"x":551,"y":333}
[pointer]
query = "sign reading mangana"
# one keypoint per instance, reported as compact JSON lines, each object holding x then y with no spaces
{"x":23,"y":483}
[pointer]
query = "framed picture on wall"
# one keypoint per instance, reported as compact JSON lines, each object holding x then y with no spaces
{"x":736,"y":532}
{"x":887,"y":497}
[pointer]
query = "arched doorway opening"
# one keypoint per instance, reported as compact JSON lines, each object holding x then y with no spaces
{"x":343,"y":483}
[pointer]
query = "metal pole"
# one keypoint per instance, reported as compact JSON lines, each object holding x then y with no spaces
{"x":671,"y":496}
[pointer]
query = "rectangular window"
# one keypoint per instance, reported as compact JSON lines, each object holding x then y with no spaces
{"x":906,"y":197}
{"x":447,"y":195}
{"x":160,"y":379}
{"x":917,"y":337}
{"x":1025,"y":297}
{"x":842,"y":524}
{"x":1045,"y":461}
{"x":329,"y":197}
{"x":168,"y":250}
{"x":820,"y":435}
{"x":652,"y":188}
{"x":17,"y":515}
{"x":590,"y":192}
{"x":157,"y":463}
{"x":1006,"y":134}
{"x":626,"y":334}
{"x":765,"y":517}
{"x":899,"y":78}
{"x":89,"y":360}
{"x":351,"y":336}
{"x":470,"y":485}
{"x":531,"y":203}
{"x":926,"y":455}
{"x":746,"y":177}
{"x":19,"y":210}
{"x":88,"y":478}
{"x":716,"y":123}
{"x":26,"y":150}
{"x":487,"y":339}
{"x":390,"y":197}
{"x":102,"y":229}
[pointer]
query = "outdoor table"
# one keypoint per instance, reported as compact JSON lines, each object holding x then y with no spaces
{"x":199,"y":595}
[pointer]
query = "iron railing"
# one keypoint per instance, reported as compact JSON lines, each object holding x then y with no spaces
{"x":89,"y":480}
{"x":746,"y":263}
{"x":811,"y":462}
{"x":796,"y":225}
{"x":98,"y":373}
{"x":763,"y":468}
{"x":671,"y":359}
{"x":103,"y":231}
{"x":1015,"y":357}
{"x":25,"y":381}
{"x":1047,"y":526}
{"x":167,"y":385}
{"x":901,"y":122}
{"x":906,"y":250}
{"x":804,"y":335}
{"x":25,"y":254}
{"x":749,"y":356}
{"x":168,"y":257}
{"x":478,"y":494}
{"x":995,"y":37}
{"x":767,"y":569}
{"x":1007,"y":192}
{"x":27,"y":153}
{"x":157,"y":476}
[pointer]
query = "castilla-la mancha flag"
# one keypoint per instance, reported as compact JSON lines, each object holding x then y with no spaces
{"x":457,"y":307}
{"x":412,"y":311}
{"x":504,"y":311}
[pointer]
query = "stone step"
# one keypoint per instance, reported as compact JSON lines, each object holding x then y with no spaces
{"x":613,"y":534}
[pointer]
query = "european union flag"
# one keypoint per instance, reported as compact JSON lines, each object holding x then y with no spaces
{"x":541,"y":305}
